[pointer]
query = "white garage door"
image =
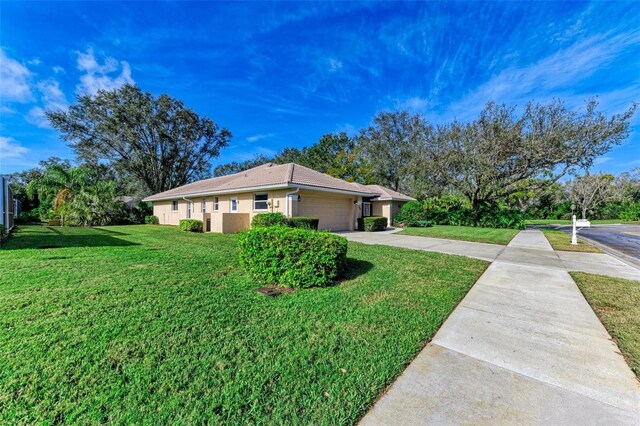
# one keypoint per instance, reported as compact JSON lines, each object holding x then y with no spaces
{"x":334,"y":213}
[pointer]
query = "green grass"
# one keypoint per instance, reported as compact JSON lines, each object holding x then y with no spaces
{"x":464,"y":233}
{"x":148,"y":324}
{"x":568,"y":222}
{"x":617,"y":303}
{"x":560,"y":240}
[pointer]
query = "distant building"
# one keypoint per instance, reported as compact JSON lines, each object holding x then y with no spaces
{"x":8,"y":205}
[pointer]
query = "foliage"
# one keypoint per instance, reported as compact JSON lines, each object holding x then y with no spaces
{"x":31,"y":216}
{"x":3,"y":233}
{"x":418,"y":223}
{"x":589,"y":191}
{"x":486,"y":159}
{"x":158,"y":140}
{"x":372,"y":223}
{"x":190,"y":225}
{"x":262,"y":220}
{"x":151,"y":220}
{"x":412,"y":212}
{"x":630,"y":211}
{"x":237,"y":167}
{"x":290,"y":257}
{"x":304,"y":222}
{"x":116,"y":312}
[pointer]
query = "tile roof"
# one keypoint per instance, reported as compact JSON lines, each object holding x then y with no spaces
{"x":271,"y":175}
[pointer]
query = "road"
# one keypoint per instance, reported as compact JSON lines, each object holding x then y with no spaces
{"x":621,"y":238}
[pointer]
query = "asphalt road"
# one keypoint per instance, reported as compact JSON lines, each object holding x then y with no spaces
{"x":622,"y":238}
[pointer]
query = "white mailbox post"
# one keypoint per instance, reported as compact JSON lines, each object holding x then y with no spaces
{"x":574,"y":238}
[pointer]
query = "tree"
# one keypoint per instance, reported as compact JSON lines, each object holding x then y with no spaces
{"x":394,"y":148}
{"x":589,"y":191}
{"x":237,"y":167}
{"x":159,"y":141}
{"x":487,"y":159}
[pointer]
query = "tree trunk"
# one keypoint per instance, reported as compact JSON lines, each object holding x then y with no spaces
{"x":584,"y":212}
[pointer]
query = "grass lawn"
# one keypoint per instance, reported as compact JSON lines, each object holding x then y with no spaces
{"x":147,"y":324}
{"x":617,"y":304}
{"x":464,"y":233}
{"x":560,"y":240}
{"x":568,"y":222}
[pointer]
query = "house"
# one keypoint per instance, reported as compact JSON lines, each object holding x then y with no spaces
{"x":8,"y":205}
{"x":227,"y":204}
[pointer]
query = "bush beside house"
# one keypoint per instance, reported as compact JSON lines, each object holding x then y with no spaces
{"x":292,"y":257}
{"x":262,"y":220}
{"x":304,"y":222}
{"x":151,"y":220}
{"x":191,"y":225}
{"x":372,"y":223}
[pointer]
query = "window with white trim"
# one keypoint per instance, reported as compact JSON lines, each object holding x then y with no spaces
{"x":261,"y":201}
{"x":215,"y":204}
{"x":203,"y":206}
{"x":233,"y":205}
{"x":174,"y":206}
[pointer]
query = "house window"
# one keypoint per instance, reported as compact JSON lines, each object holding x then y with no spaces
{"x":366,"y":209}
{"x":189,"y":208}
{"x":203,"y":205}
{"x":215,"y":204}
{"x":174,"y":206}
{"x":260,"y":202}
{"x":233,"y":205}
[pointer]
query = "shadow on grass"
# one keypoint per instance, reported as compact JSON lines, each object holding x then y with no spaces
{"x":355,"y":268}
{"x":49,"y":238}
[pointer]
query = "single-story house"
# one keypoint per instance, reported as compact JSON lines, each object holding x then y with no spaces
{"x":8,"y":205}
{"x":227,"y":204}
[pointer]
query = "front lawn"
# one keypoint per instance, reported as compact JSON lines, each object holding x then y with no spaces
{"x":464,"y":233}
{"x":148,"y":324}
{"x":560,"y":240}
{"x":617,"y":303}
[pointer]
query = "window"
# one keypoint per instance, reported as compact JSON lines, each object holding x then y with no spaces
{"x":233,"y":205}
{"x":174,"y":206}
{"x":260,"y":202}
{"x":189,"y":207}
{"x":366,"y":209}
{"x":215,"y":204}
{"x":203,"y":207}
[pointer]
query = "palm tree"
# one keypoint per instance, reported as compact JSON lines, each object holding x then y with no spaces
{"x":58,"y":186}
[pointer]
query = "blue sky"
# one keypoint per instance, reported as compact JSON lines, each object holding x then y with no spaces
{"x":283,"y":74}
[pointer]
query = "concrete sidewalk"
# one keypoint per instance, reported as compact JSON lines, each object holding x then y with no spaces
{"x":523,"y":347}
{"x":595,"y":263}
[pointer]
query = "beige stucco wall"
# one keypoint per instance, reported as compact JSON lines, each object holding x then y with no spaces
{"x":320,"y":204}
{"x":386,"y":209}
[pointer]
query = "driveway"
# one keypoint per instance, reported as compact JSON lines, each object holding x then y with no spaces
{"x":523,"y":347}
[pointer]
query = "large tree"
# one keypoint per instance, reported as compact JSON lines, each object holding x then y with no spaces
{"x":158,"y":140}
{"x":394,"y":147}
{"x":488,"y":158}
{"x":589,"y":191}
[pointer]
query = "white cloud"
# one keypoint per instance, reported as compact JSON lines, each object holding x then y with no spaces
{"x":101,"y":76}
{"x":414,"y":104}
{"x":6,"y":110}
{"x":602,"y":160}
{"x":14,"y":77}
{"x":57,"y":69}
{"x":334,"y":64}
{"x":260,"y":136}
{"x":52,"y":99}
{"x":9,"y":148}
{"x":35,"y":61}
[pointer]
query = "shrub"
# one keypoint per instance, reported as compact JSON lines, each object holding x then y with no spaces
{"x":191,"y":225}
{"x":292,"y":257}
{"x":262,"y":220}
{"x":372,"y":223}
{"x":151,"y":220}
{"x":410,"y":212}
{"x":419,"y":223}
{"x":55,"y":222}
{"x":3,"y":233}
{"x":304,"y":222}
{"x":32,"y":216}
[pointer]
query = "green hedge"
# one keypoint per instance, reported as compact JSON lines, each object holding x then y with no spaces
{"x":262,"y":220}
{"x":3,"y":233}
{"x":304,"y":222}
{"x":292,"y":257}
{"x":191,"y":225}
{"x":151,"y":220}
{"x":372,"y":223}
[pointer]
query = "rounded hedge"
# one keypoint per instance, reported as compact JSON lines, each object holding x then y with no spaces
{"x":191,"y":225}
{"x":304,"y":222}
{"x":372,"y":223}
{"x":262,"y":220}
{"x":292,"y":257}
{"x":151,"y":220}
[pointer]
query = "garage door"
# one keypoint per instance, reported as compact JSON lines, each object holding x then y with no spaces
{"x":334,"y":213}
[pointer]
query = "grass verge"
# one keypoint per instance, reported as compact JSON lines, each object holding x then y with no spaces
{"x":148,"y":324}
{"x":568,"y":222}
{"x":616,"y":301}
{"x":560,"y":240}
{"x":464,"y":233}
